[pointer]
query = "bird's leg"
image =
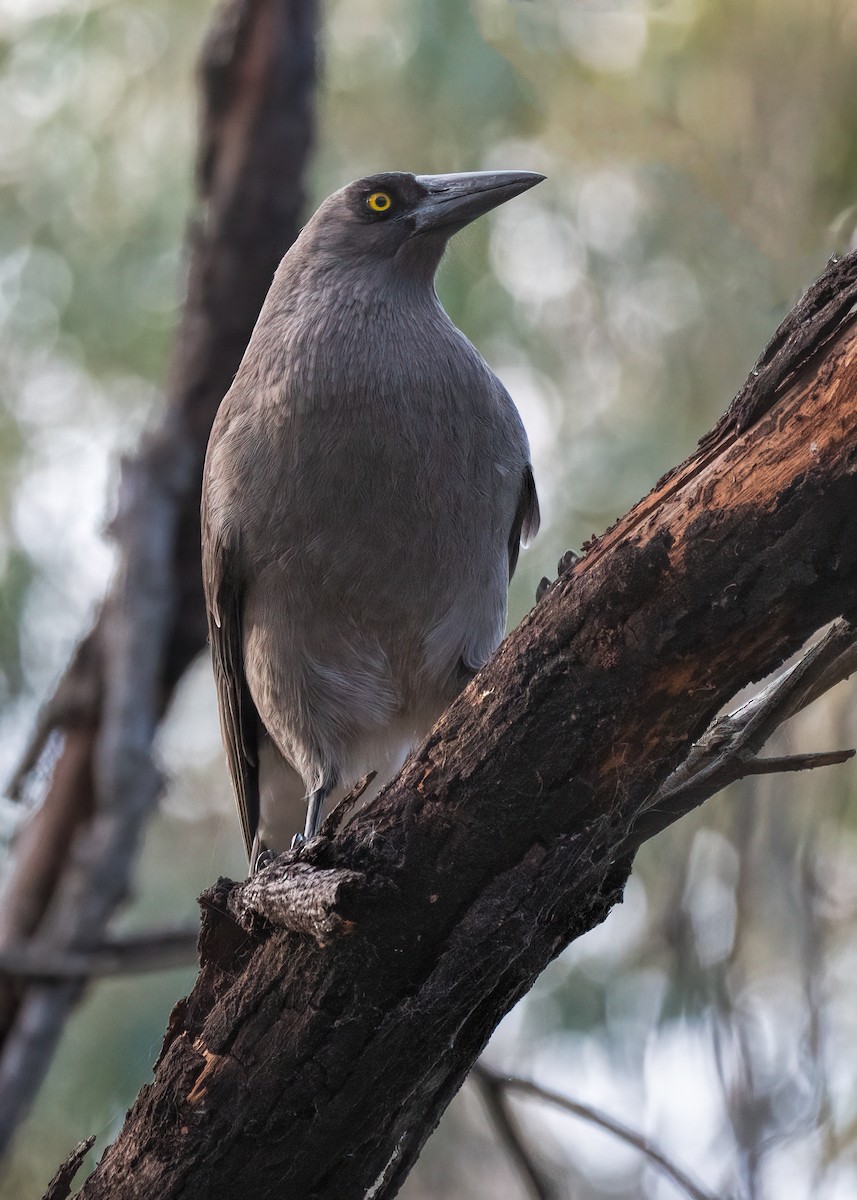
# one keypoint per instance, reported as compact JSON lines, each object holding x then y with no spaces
{"x":314,"y":813}
{"x":314,"y":810}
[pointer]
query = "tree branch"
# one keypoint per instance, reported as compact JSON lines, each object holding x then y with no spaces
{"x":797,"y":762}
{"x":596,"y":1117}
{"x":490,"y":1087}
{"x":73,"y":863}
{"x":729,"y":749}
{"x":318,"y":1068}
{"x":151,"y":951}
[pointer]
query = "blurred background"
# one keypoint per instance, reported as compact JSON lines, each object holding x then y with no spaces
{"x":702,"y":166}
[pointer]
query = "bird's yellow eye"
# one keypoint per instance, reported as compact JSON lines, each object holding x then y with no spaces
{"x":380,"y":202}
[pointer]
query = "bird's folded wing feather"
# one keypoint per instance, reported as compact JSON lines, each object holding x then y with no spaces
{"x":238,"y":717}
{"x":525,"y":524}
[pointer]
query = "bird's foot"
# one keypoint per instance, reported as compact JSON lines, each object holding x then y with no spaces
{"x":569,"y":559}
{"x":297,"y":841}
{"x":265,"y":859}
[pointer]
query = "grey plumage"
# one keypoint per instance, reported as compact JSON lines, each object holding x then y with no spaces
{"x":366,"y":489}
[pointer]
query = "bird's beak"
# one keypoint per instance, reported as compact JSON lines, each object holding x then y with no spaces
{"x":453,"y":201}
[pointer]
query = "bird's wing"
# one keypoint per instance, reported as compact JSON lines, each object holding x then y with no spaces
{"x":238,"y":717}
{"x":525,"y":524}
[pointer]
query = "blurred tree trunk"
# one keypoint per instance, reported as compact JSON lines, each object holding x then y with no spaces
{"x":346,"y":991}
{"x":74,"y":858}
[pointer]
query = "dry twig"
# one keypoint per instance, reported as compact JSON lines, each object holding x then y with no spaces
{"x":595,"y":1116}
{"x":729,"y":749}
{"x":491,"y":1089}
{"x":156,"y":950}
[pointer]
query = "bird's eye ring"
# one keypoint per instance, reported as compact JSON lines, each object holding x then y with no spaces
{"x":380,"y":202}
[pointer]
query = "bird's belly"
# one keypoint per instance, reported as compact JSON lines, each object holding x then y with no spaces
{"x":352,"y":668}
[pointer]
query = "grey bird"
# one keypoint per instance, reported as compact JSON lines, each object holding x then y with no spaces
{"x":366,"y":490}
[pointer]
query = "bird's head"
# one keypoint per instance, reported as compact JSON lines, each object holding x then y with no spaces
{"x":406,"y":220}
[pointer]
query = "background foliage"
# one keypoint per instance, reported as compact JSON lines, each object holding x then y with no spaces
{"x":702,"y":164}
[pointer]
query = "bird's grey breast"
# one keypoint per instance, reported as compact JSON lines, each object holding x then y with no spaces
{"x":379,"y":463}
{"x":377,"y":426}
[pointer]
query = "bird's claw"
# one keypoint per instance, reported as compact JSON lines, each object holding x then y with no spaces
{"x":297,"y":841}
{"x":569,"y":560}
{"x":542,"y":589}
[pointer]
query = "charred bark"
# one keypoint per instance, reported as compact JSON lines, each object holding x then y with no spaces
{"x":316,"y":1063}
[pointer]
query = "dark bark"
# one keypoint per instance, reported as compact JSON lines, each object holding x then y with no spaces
{"x":73,"y":862}
{"x":316,"y":1064}
{"x":60,"y":1186}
